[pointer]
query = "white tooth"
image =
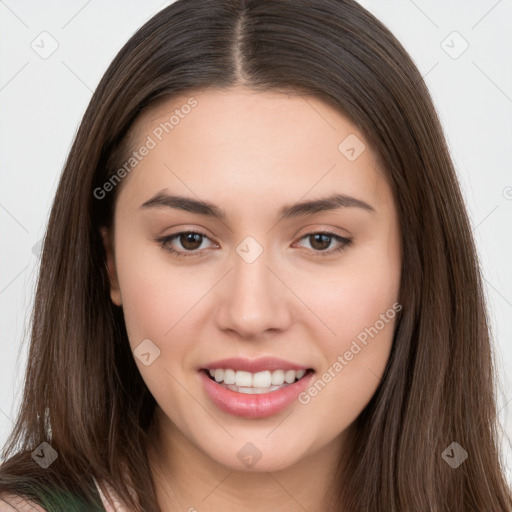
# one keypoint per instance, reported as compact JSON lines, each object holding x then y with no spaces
{"x":262,"y":379}
{"x":300,"y":373}
{"x":253,"y":391}
{"x":289,"y":376}
{"x":243,"y":379}
{"x":229,"y":376}
{"x":247,"y":391}
{"x":277,"y":377}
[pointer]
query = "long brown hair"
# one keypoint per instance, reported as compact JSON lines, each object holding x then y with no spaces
{"x":83,"y":393}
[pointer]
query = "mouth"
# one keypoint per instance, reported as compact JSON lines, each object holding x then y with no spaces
{"x":254,"y":395}
{"x":257,"y":383}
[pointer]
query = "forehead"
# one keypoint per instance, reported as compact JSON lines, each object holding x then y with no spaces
{"x":239,"y":118}
{"x":245,"y":142}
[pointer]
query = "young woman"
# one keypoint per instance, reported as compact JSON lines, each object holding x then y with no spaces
{"x":259,"y":288}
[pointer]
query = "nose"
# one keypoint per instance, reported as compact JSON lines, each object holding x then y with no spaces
{"x":254,"y":299}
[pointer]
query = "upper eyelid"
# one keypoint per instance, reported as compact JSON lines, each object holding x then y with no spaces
{"x":325,"y":231}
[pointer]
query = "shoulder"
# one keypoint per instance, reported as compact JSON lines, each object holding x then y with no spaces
{"x":11,"y":502}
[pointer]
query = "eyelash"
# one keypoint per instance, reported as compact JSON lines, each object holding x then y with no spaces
{"x":164,"y":241}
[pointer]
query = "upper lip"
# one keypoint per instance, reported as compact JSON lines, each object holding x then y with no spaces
{"x":253,"y":365}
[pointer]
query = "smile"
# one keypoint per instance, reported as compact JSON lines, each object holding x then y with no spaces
{"x":255,"y":383}
{"x":254,"y":400}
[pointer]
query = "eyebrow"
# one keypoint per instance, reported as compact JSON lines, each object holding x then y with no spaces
{"x":332,"y":202}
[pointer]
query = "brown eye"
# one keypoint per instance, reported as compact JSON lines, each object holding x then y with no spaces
{"x":190,"y":241}
{"x":320,"y":242}
{"x":186,"y":243}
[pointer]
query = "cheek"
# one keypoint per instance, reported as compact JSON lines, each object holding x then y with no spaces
{"x":359,"y":304}
{"x":155,"y":295}
{"x":351,"y":297}
{"x":354,"y":360}
{"x":155,"y":299}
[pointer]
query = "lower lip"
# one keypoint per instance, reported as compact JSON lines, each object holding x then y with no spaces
{"x":254,"y":406}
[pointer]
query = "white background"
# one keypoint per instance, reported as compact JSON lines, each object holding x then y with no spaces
{"x":42,"y":102}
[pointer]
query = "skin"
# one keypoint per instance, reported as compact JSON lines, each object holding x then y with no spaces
{"x":251,"y":153}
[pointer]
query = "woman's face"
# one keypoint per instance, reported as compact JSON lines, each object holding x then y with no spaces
{"x":260,"y":280}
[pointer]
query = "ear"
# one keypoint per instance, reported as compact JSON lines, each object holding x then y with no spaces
{"x":115,"y":291}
